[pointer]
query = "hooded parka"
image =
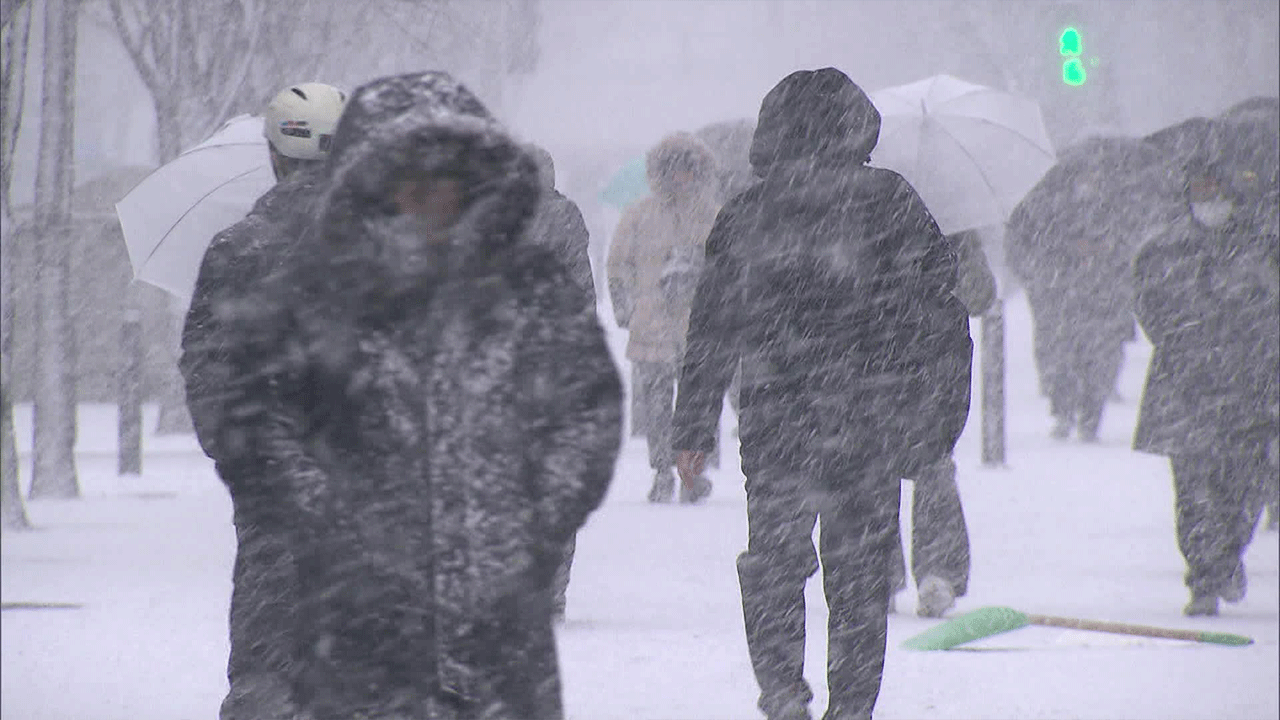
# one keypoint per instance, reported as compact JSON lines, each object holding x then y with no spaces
{"x":658,"y":248}
{"x":832,"y":283}
{"x":434,"y":436}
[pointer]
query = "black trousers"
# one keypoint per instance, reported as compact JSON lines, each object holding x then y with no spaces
{"x":939,"y":535}
{"x":264,"y":594}
{"x":1078,"y":365}
{"x":1217,"y":500}
{"x":856,"y":536}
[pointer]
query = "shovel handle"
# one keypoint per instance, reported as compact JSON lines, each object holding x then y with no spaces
{"x":1143,"y":630}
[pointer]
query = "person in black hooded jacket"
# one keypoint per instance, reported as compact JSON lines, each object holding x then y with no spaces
{"x":1207,"y":297}
{"x":438,"y":418}
{"x":832,"y":284}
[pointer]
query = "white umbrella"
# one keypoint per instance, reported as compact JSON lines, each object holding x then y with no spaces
{"x":169,"y":218}
{"x":971,"y":151}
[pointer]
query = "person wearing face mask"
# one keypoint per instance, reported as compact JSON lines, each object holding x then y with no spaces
{"x":439,"y":415}
{"x":1207,"y":299}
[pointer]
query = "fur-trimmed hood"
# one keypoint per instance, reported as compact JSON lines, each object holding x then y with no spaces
{"x":679,"y":151}
{"x":423,"y":125}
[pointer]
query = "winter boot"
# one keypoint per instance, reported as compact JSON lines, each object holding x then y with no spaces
{"x":834,"y":713}
{"x":696,"y":491}
{"x":1236,"y":586}
{"x":664,"y":486}
{"x":935,"y":597}
{"x":791,"y":710}
{"x":1062,"y":426}
{"x":1201,"y":605}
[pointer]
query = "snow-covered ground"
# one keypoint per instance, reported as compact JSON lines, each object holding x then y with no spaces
{"x":655,"y":628}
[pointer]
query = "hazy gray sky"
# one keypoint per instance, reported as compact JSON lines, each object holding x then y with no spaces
{"x":619,"y":74}
{"x":627,"y":71}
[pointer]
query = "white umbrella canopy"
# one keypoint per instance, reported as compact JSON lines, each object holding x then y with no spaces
{"x":971,"y":151}
{"x":169,"y":218}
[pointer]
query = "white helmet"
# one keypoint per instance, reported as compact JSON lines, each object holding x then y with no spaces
{"x":299,"y":120}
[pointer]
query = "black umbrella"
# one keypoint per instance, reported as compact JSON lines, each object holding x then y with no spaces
{"x":1182,"y":140}
{"x":1104,"y":192}
{"x":1261,"y":108}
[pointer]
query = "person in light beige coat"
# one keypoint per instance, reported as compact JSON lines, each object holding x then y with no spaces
{"x":653,"y":267}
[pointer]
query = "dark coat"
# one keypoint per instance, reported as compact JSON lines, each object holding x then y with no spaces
{"x":228,"y":349}
{"x":213,"y":365}
{"x":1214,"y":370}
{"x":559,"y":227}
{"x":237,"y":262}
{"x":1072,"y":239}
{"x":975,"y":283}
{"x":432,"y":443}
{"x":832,"y":284}
{"x":1207,"y":299}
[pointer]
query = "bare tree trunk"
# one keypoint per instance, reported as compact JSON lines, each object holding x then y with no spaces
{"x":13,"y":515}
{"x":174,"y":419}
{"x":16,"y":34}
{"x":54,"y":469}
{"x":16,"y":27}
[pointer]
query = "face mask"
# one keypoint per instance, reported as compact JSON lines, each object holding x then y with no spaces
{"x":410,"y":245}
{"x":1212,"y":213}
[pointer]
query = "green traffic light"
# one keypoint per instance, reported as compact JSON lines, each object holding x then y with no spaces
{"x":1073,"y":72}
{"x":1069,"y":44}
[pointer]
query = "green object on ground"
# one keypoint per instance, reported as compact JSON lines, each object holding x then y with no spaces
{"x":989,"y":621}
{"x":968,"y":627}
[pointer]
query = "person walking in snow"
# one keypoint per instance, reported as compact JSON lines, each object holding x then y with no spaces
{"x":1076,"y":274}
{"x":831,"y":284}
{"x":1207,"y":298}
{"x":939,"y":535}
{"x":653,"y":265}
{"x":558,"y":226}
{"x":440,"y":417}
{"x":298,"y":124}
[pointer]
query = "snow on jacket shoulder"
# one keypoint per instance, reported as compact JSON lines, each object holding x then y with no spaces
{"x":832,"y":284}
{"x":237,"y":262}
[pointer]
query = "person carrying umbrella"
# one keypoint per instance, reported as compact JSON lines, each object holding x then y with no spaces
{"x":1207,"y":297}
{"x":298,"y":123}
{"x":831,"y":284}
